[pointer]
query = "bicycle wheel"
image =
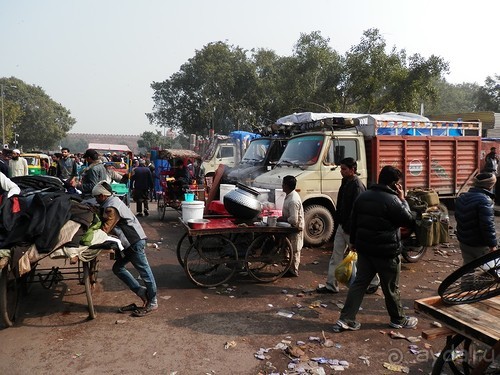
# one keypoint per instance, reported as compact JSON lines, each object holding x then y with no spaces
{"x":160,"y":206}
{"x":182,"y":248}
{"x":9,"y":296}
{"x":268,"y":257}
{"x":89,"y":280}
{"x":456,"y":354}
{"x":211,"y":261}
{"x":475,"y":281}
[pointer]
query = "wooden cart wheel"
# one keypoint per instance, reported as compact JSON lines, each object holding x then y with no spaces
{"x":211,"y":261}
{"x":474,"y":281}
{"x":89,"y":280}
{"x":9,"y":296}
{"x":182,"y":248}
{"x":268,"y":257}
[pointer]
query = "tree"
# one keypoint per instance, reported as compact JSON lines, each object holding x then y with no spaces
{"x":41,"y":122}
{"x":453,"y":98}
{"x":488,"y":96}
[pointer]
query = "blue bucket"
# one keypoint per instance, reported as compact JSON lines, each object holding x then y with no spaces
{"x":189,"y":197}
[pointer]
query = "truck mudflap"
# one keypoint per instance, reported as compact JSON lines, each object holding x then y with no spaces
{"x":318,"y":226}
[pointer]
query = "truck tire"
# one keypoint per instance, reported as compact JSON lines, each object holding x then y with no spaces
{"x":318,"y":226}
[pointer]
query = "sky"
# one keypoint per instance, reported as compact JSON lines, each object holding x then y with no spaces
{"x":98,"y":58}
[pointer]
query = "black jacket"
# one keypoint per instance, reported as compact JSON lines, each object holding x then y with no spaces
{"x":349,"y":190}
{"x":475,"y":218}
{"x":376,"y":218}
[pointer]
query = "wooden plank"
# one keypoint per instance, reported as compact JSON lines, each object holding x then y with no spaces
{"x":478,"y":321}
{"x":214,"y":188}
{"x":434,"y":333}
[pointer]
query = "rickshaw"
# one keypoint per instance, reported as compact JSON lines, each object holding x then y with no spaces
{"x":170,"y":192}
{"x":38,"y":163}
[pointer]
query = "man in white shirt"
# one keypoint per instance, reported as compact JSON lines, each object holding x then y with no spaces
{"x":18,"y":166}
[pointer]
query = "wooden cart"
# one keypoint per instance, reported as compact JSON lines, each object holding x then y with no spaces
{"x":214,"y":254}
{"x":466,"y":327}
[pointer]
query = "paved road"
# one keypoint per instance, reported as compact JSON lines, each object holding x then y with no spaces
{"x":188,"y":333}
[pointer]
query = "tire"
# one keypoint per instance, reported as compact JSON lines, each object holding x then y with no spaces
{"x":412,"y":251}
{"x":182,"y":248}
{"x":160,"y":206}
{"x":211,"y":261}
{"x":475,"y":281}
{"x":89,"y":268}
{"x":268,"y":257}
{"x":318,"y":227}
{"x":9,"y":296}
{"x":457,"y":343}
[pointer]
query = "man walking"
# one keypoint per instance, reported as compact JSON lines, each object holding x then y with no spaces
{"x":118,"y":219}
{"x":377,"y":216}
{"x":293,"y":214}
{"x":475,"y":218}
{"x":142,"y":182}
{"x":349,"y":191}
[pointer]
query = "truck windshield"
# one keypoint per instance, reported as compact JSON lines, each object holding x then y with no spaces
{"x":257,"y":151}
{"x":303,"y":150}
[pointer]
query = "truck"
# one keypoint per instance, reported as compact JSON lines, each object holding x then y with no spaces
{"x":443,"y":156}
{"x":261,"y":155}
{"x":226,"y":150}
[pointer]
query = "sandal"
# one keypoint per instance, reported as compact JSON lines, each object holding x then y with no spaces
{"x":131,"y":307}
{"x":144,"y":311}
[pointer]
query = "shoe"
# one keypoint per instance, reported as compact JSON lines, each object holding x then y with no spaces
{"x":146,"y":213}
{"x":371,"y":289}
{"x":408,"y":322}
{"x":145,"y":311}
{"x":291,"y":273}
{"x":139,"y":214}
{"x":346,"y":325}
{"x":131,"y":307}
{"x":325,"y":290}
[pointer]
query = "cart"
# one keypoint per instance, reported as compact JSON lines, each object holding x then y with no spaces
{"x":13,"y":287}
{"x":171,"y":194}
{"x":214,"y":254}
{"x":473,"y":334}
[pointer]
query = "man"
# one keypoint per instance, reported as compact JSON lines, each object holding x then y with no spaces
{"x":4,"y":162}
{"x":7,"y":185}
{"x":491,"y":161}
{"x":181,"y":175}
{"x":18,"y":166}
{"x":66,"y":168}
{"x":377,"y":215}
{"x":293,"y":213}
{"x":475,"y":218}
{"x":119,"y":220}
{"x":141,"y":182}
{"x":94,"y":173}
{"x":350,"y":188}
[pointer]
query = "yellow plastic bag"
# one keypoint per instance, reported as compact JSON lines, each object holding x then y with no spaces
{"x":344,"y":270}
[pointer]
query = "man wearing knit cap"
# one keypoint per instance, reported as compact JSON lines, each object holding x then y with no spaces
{"x":119,"y":220}
{"x":475,"y":218}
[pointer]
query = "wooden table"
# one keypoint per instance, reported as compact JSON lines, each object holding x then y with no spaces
{"x":475,"y":322}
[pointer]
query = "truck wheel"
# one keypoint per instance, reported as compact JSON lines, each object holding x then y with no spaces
{"x":318,"y":226}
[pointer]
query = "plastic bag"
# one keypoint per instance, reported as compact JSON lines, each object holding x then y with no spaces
{"x":345,"y":270}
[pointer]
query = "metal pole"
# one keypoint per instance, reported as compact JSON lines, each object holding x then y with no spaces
{"x":3,"y":119}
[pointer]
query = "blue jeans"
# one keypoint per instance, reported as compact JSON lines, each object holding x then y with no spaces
{"x":135,"y":254}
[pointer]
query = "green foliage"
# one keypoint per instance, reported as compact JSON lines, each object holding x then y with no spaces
{"x":40,"y":121}
{"x":488,"y":96}
{"x":453,"y":98}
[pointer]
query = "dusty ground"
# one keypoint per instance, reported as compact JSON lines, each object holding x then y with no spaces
{"x":188,"y":333}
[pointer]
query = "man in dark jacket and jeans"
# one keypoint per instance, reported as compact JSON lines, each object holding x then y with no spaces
{"x":377,"y":216}
{"x":350,"y":189}
{"x":142,"y":182}
{"x":475,"y":218}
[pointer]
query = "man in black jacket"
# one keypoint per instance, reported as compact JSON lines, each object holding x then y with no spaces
{"x":377,"y":216}
{"x":349,"y":191}
{"x":475,"y":218}
{"x":142,"y":182}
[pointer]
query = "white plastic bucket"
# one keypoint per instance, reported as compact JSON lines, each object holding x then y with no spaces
{"x":224,"y":189}
{"x":279,"y":198}
{"x":192,"y":210}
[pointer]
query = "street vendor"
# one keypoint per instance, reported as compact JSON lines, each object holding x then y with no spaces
{"x":293,"y":214}
{"x":182,"y":179}
{"x":118,"y":219}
